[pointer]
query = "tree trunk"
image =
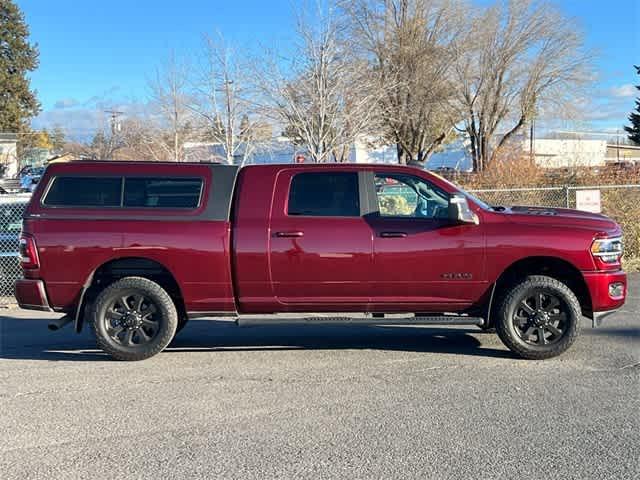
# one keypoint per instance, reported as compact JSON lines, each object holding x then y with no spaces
{"x":484,"y":142}
{"x":402,"y":158}
{"x":507,"y":136}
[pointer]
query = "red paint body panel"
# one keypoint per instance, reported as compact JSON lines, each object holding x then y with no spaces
{"x":409,"y":272}
{"x":337,"y":264}
{"x":31,"y":294}
{"x":331,"y":264}
{"x":250,"y":236}
{"x":598,"y":284}
{"x":197,"y":254}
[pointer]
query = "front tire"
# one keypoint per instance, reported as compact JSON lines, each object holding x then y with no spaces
{"x":539,"y":318}
{"x":134,"y":318}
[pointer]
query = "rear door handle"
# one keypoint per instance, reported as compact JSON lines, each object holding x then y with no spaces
{"x":393,"y":234}
{"x":289,"y":234}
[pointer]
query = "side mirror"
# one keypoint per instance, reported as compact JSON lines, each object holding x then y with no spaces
{"x":459,"y":210}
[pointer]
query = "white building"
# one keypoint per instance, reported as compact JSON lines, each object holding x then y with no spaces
{"x":8,"y":154}
{"x":452,"y":156}
{"x":568,"y":153}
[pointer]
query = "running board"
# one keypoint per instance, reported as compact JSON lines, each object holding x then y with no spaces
{"x":254,"y":320}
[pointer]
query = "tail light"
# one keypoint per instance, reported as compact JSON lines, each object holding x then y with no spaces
{"x":28,"y":252}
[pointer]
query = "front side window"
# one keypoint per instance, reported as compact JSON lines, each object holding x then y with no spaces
{"x":401,"y":195}
{"x":84,"y":192}
{"x":162,"y":192}
{"x":324,"y":194}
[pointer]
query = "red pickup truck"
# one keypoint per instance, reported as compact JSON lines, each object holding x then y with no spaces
{"x":136,"y":249}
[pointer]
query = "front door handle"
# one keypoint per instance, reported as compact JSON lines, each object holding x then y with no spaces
{"x":393,"y":234}
{"x":289,"y":234}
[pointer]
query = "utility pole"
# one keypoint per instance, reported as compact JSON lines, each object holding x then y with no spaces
{"x":230,"y":140}
{"x":115,"y":126}
{"x":532,"y":144}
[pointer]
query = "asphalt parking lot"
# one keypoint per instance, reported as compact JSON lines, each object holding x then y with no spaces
{"x":320,"y":402}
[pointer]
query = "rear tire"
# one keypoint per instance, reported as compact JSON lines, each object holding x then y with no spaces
{"x":133,"y":319}
{"x":539,"y":318}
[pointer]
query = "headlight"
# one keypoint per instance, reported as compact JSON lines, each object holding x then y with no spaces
{"x":608,"y":250}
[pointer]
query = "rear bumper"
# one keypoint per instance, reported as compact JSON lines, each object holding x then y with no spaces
{"x":31,"y":295}
{"x":603,"y":303}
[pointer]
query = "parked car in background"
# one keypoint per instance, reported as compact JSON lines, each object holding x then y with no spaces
{"x":29,"y":178}
{"x":11,"y":210}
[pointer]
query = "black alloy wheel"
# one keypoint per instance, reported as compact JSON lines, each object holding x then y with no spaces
{"x":134,"y":318}
{"x":131,"y":319}
{"x":539,"y":317}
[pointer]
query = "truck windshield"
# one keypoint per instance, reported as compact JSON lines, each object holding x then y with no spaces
{"x":473,"y":198}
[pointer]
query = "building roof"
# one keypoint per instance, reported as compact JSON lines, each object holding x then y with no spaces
{"x":8,"y":137}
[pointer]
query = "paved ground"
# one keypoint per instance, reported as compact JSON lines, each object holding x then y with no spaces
{"x":309,"y":402}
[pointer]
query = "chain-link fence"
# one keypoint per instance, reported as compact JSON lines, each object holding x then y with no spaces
{"x":610,"y":196}
{"x":11,"y":210}
{"x":538,"y":197}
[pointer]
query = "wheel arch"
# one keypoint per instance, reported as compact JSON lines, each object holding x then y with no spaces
{"x":553,"y":267}
{"x":117,"y":268}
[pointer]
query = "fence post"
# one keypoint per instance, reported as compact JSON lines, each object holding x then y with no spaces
{"x":566,"y":191}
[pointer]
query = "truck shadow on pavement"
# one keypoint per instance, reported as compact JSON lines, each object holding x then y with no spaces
{"x":30,"y":340}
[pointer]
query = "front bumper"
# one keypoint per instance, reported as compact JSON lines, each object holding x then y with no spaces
{"x":31,"y":295}
{"x":602,"y":302}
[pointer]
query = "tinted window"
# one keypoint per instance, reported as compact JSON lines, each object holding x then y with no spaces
{"x":84,"y":192}
{"x":162,"y":192}
{"x":324,"y":194}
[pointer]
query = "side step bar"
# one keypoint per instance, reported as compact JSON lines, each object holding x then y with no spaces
{"x":254,"y":320}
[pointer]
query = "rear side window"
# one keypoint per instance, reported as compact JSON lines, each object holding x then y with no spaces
{"x":84,"y":192}
{"x":324,"y":194}
{"x":162,"y":192}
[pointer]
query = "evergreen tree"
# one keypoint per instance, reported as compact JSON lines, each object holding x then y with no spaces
{"x":634,"y":129}
{"x":18,"y":103}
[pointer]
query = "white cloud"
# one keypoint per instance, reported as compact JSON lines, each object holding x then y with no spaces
{"x":81,"y":118}
{"x":66,"y":103}
{"x":624,"y":91}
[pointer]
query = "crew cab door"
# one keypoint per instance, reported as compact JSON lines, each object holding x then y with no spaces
{"x":320,"y":251}
{"x":422,"y":260}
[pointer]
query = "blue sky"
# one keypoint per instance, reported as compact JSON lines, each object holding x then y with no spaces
{"x":99,"y":54}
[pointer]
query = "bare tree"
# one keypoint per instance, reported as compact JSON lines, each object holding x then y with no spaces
{"x":224,"y":101}
{"x":106,"y":141}
{"x":518,"y":57}
{"x":408,"y":46}
{"x":170,"y":100}
{"x":144,"y":139}
{"x":321,"y":96}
